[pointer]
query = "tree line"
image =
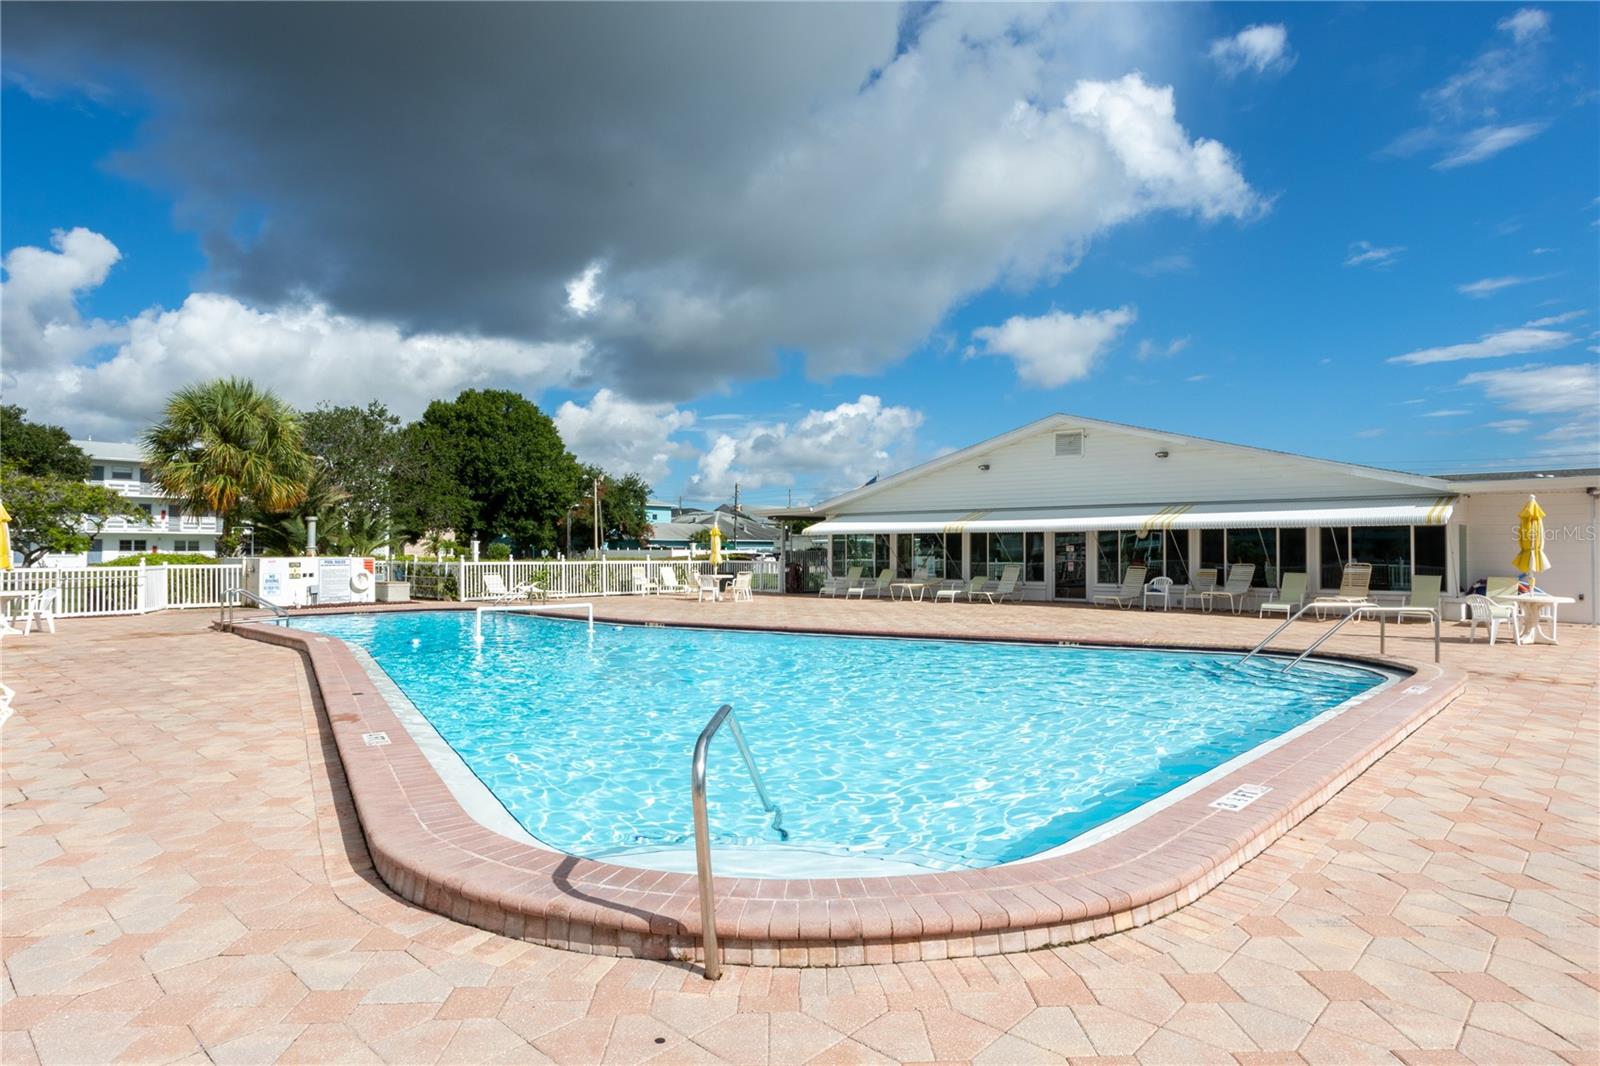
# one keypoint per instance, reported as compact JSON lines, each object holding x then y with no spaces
{"x":488,"y":466}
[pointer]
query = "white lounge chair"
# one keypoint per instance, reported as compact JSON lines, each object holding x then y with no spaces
{"x":1236,"y":589}
{"x":1482,"y":611}
{"x":878,"y":586}
{"x":1499,"y":588}
{"x":1291,"y":596}
{"x":40,"y":607}
{"x":1201,"y":582}
{"x":1158,"y":588}
{"x":952,"y":589}
{"x":1354,"y":587}
{"x":1005,"y":589}
{"x":668,"y":582}
{"x":743,"y":589}
{"x":642,"y":583}
{"x":1130,"y":592}
{"x":1424,"y":599}
{"x":839,"y":586}
{"x":494,"y":588}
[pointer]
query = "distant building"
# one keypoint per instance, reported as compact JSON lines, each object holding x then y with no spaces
{"x":657,"y":512}
{"x":739,"y":533}
{"x":165,"y":528}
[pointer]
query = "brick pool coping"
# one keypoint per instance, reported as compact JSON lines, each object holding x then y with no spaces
{"x":429,"y":851}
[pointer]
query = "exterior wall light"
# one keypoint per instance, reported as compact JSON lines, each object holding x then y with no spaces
{"x":983,"y":466}
{"x":1162,"y":454}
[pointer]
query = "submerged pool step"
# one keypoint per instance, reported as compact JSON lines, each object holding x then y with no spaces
{"x":770,"y":861}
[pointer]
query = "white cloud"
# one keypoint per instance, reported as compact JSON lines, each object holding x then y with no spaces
{"x":303,"y":351}
{"x":1263,"y":49}
{"x":1368,"y":434}
{"x":1510,"y":425}
{"x":1448,"y":412}
{"x":1543,"y":390}
{"x":829,"y":451}
{"x":1522,"y":341}
{"x":1365,"y":253}
{"x":1556,"y":320}
{"x":1149,"y":349}
{"x":1476,"y":145}
{"x":1526,"y":24}
{"x":1058,"y":347}
{"x":1489,"y":286}
{"x":622,"y":436}
{"x":583,"y":293}
{"x":39,"y":320}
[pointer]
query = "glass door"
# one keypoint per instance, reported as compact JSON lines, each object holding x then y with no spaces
{"x":1072,"y":566}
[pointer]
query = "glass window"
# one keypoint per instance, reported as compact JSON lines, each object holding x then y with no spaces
{"x":1291,"y":552}
{"x":1388,"y":549}
{"x":993,"y":552}
{"x":1142,"y":551}
{"x":97,"y":473}
{"x":1034,"y":570}
{"x":1335,"y":553}
{"x":1108,"y":572}
{"x":1213,"y":550}
{"x":936,"y":554}
{"x":122,"y":475}
{"x":1258,"y":546}
{"x":130,"y":545}
{"x":1178,"y":556}
{"x":1428,"y":546}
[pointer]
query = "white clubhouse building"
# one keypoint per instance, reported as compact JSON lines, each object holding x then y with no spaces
{"x":1075,"y":501}
{"x":164,"y":528}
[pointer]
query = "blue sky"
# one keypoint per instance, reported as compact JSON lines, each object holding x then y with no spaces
{"x":1394,"y":222}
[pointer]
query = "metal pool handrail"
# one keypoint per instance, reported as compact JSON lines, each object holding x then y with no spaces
{"x":1375,"y":610}
{"x":702,"y":828}
{"x":230,"y":604}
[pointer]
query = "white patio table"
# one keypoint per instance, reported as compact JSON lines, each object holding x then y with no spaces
{"x":1532,"y":610}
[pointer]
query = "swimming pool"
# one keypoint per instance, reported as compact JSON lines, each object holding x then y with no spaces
{"x":939,"y":754}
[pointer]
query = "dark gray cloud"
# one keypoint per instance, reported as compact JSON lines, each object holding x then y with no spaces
{"x":746,"y":178}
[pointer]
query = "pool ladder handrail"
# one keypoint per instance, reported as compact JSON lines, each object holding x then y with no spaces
{"x":702,"y":827}
{"x":1357,"y":610}
{"x":230,"y":604}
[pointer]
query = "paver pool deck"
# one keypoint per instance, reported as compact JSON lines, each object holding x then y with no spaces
{"x":183,"y":877}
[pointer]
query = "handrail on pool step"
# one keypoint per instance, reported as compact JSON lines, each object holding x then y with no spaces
{"x":702,"y":828}
{"x":1374,"y":610}
{"x":230,"y":604}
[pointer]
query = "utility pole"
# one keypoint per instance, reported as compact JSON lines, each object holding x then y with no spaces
{"x":597,"y":518}
{"x":735,"y":515}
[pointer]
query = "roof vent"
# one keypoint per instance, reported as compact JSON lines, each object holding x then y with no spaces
{"x":1069,"y":443}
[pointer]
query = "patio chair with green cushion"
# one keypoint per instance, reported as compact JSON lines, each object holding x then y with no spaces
{"x":1290,"y":598}
{"x":1236,"y":589}
{"x":838,"y":586}
{"x":877,"y":586}
{"x":1498,"y":588}
{"x":953,"y":589}
{"x":1354,"y":586}
{"x":1131,"y":590}
{"x":1006,"y":588}
{"x":1424,"y":599}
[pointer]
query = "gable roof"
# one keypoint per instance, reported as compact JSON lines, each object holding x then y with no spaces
{"x":1067,"y":421}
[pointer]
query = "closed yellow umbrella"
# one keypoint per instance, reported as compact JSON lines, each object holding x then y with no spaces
{"x":716,"y":545}
{"x":1531,"y":558}
{"x":5,"y":538}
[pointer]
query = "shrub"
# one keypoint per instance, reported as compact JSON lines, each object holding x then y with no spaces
{"x":157,"y":558}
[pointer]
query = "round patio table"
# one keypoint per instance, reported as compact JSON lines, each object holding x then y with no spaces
{"x":1531,"y":608}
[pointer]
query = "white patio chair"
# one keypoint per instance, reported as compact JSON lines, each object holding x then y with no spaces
{"x":1291,"y":597}
{"x":743,"y":588}
{"x":1007,"y":588}
{"x":1237,"y":588}
{"x":952,"y":589}
{"x":705,"y":588}
{"x":1158,"y":588}
{"x":1355,"y":585}
{"x":1201,"y":582}
{"x":1130,"y":592}
{"x":877,"y":586}
{"x":839,"y":586}
{"x":1423,"y":602}
{"x":40,"y":607}
{"x":669,"y":583}
{"x":495,"y":591}
{"x":1481,"y":610}
{"x":642,"y":583}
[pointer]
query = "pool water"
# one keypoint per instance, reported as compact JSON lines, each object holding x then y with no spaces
{"x":944,"y":753}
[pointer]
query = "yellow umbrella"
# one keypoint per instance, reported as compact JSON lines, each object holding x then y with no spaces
{"x":5,"y":538}
{"x":1531,"y":559}
{"x":716,"y":545}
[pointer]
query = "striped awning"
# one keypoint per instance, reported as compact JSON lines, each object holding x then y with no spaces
{"x":1145,"y":518}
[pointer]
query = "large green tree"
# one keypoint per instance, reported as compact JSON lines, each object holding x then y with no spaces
{"x":51,"y":514}
{"x":227,"y":444}
{"x":361,"y":453}
{"x":41,"y":450}
{"x":491,"y":464}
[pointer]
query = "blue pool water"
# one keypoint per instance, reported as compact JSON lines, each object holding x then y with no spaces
{"x":946,"y":753}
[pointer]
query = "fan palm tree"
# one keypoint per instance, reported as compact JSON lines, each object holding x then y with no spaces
{"x":225,"y":444}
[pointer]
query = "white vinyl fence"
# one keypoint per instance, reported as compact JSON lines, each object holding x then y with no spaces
{"x":101,"y":590}
{"x":559,"y":578}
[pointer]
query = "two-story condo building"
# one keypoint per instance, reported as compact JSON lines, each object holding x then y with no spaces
{"x":165,"y":528}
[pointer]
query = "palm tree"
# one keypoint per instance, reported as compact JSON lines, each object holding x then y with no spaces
{"x":226,"y":443}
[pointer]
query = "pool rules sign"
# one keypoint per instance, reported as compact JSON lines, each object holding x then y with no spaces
{"x":1240,"y":798}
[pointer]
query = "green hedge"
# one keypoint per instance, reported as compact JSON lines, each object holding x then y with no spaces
{"x":157,"y":558}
